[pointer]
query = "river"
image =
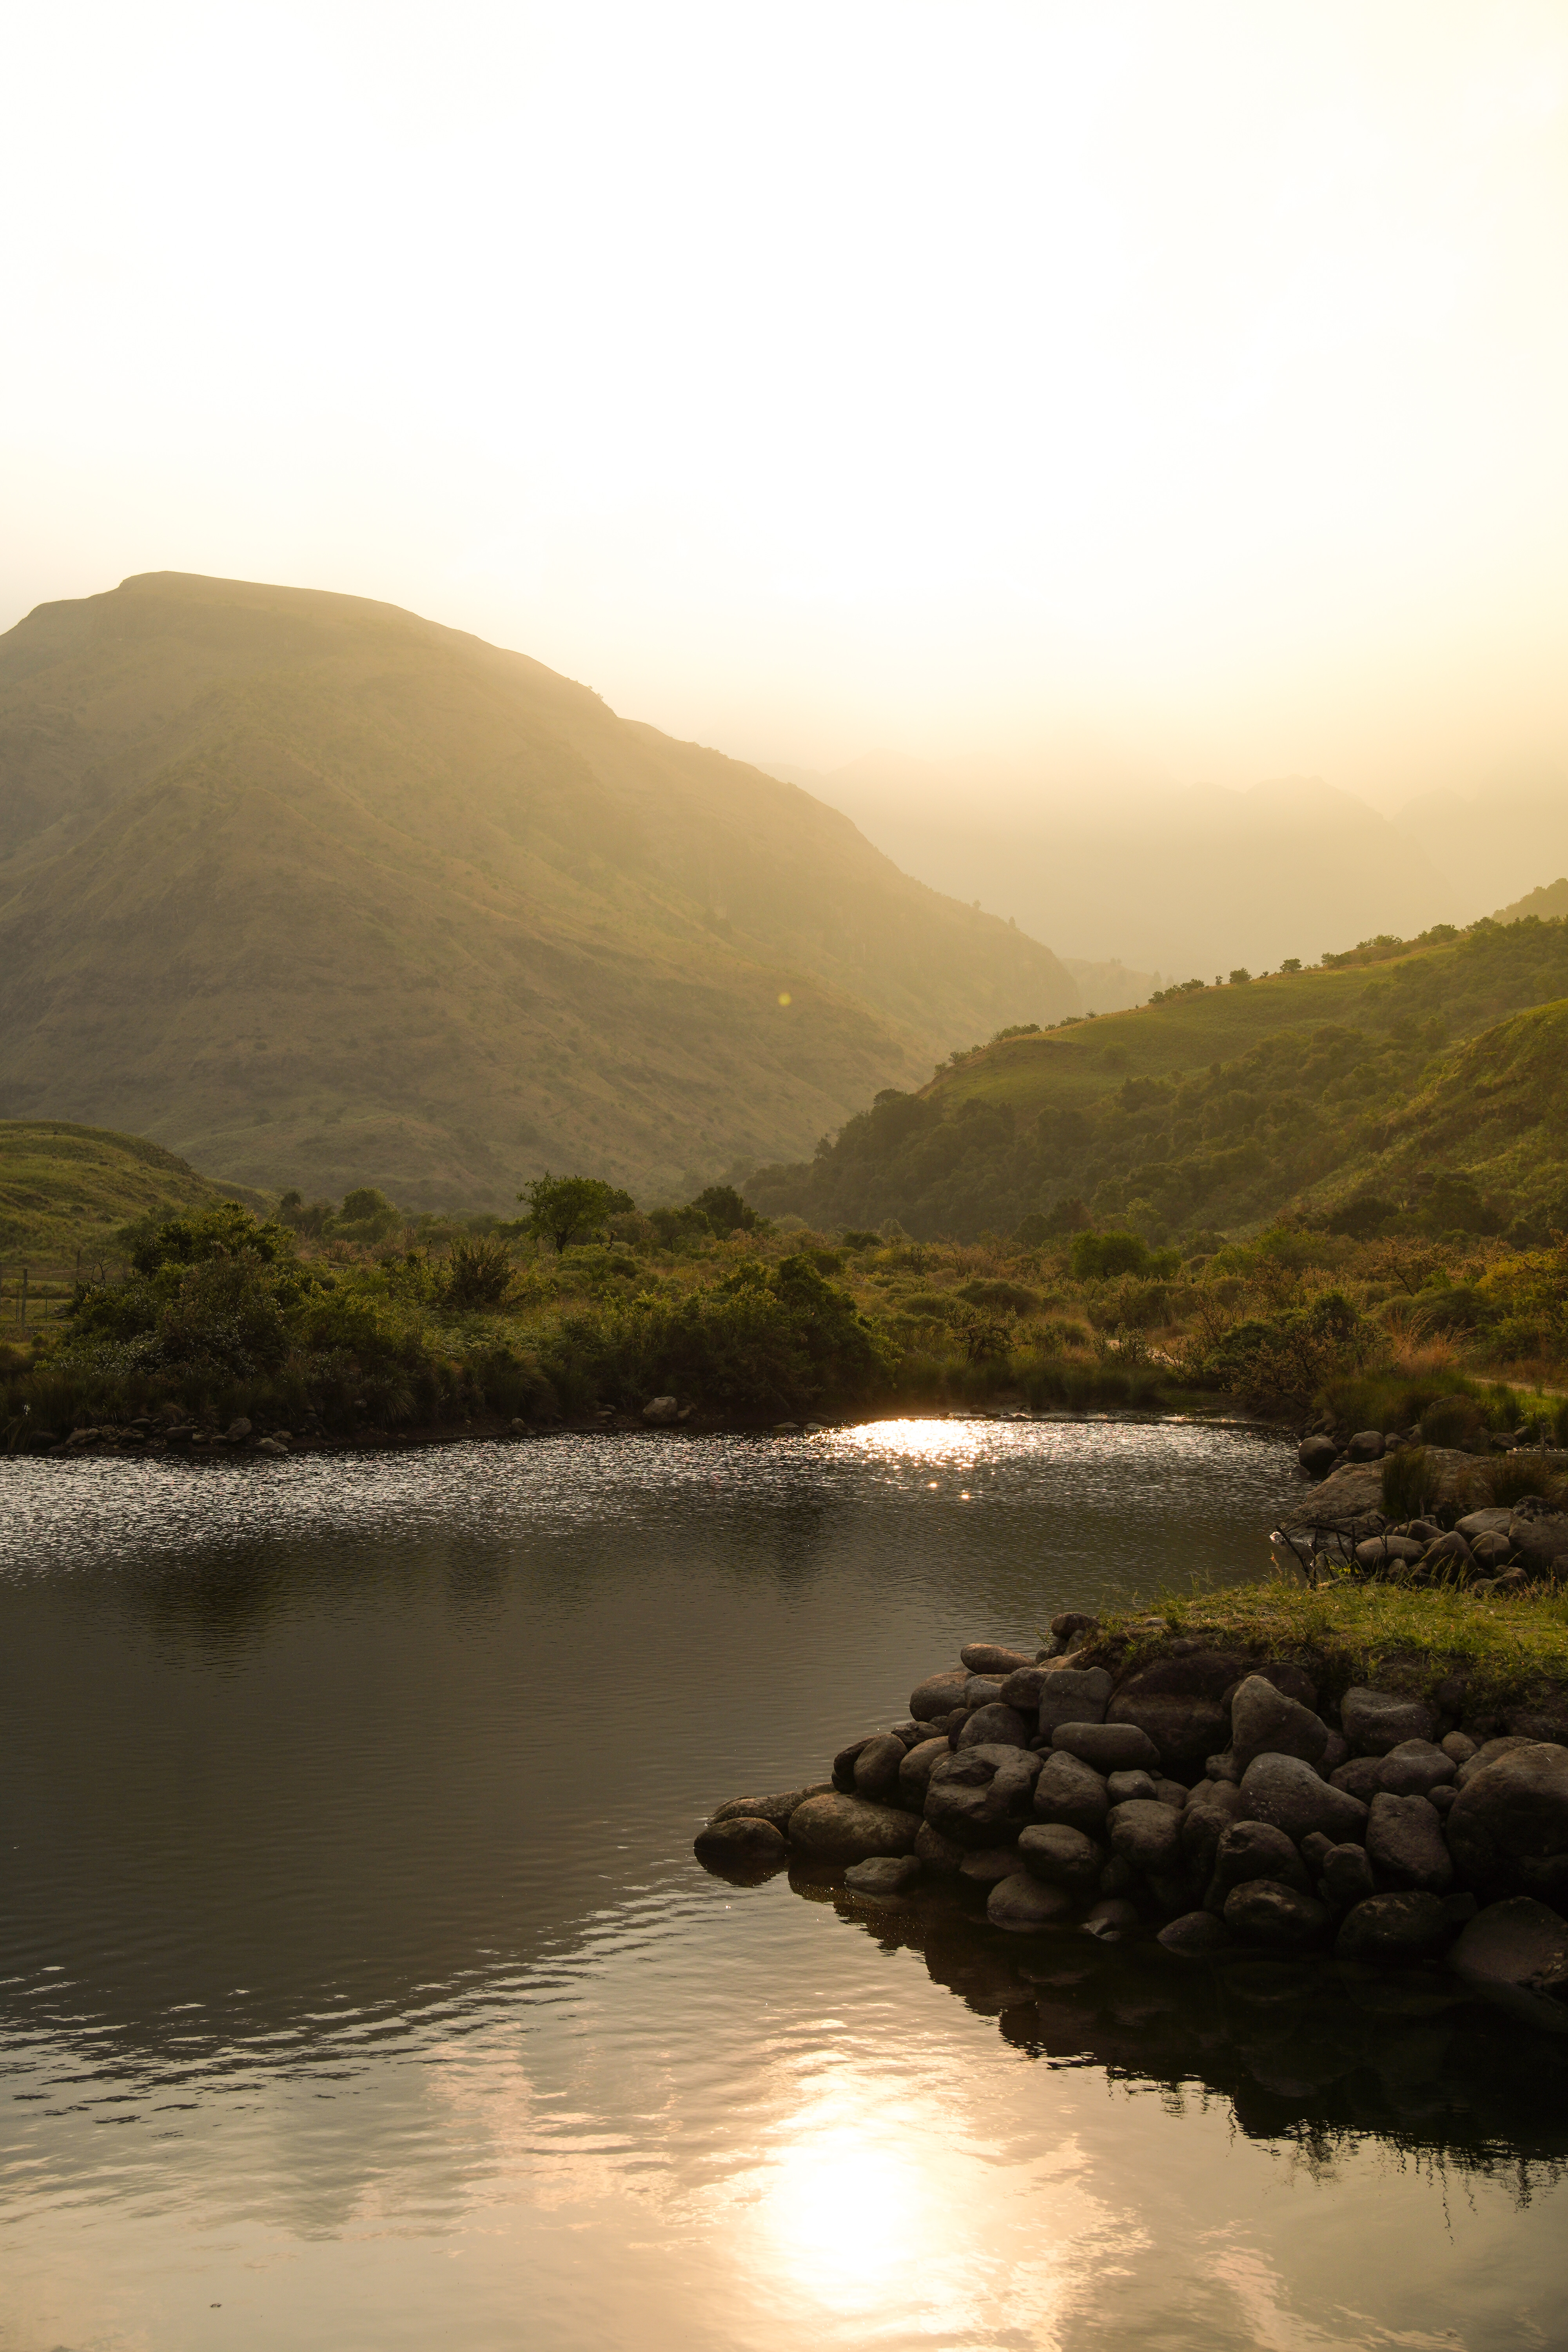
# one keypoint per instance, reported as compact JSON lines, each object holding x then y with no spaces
{"x":358,"y":1988}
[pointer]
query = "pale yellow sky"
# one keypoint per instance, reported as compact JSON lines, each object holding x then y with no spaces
{"x":1171,"y":391}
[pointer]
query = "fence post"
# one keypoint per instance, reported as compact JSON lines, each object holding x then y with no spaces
{"x":24,"y":1298}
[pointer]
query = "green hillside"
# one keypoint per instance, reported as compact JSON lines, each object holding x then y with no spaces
{"x":1219,"y":1107}
{"x":316,"y":892}
{"x":66,"y":1189}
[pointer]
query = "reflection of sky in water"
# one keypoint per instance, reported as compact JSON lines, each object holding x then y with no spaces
{"x":357,"y":1979}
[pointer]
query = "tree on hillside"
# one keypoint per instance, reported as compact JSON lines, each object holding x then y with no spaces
{"x":566,"y":1210}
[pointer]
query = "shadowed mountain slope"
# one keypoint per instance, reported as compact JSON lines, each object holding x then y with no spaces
{"x":315,"y":891}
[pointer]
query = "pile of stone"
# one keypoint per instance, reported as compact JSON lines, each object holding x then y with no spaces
{"x":1503,"y":1547}
{"x":1204,"y":1798}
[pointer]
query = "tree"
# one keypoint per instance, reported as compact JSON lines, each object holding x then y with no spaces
{"x":567,"y":1209}
{"x":726,"y":1212}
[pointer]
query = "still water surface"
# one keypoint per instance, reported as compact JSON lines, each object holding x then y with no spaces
{"x":358,"y":1988}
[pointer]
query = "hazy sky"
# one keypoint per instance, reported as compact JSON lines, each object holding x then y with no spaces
{"x":1174,"y":389}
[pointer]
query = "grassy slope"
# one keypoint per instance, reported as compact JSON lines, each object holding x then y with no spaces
{"x":1221,"y":1108}
{"x":64,"y":1188}
{"x":315,"y":891}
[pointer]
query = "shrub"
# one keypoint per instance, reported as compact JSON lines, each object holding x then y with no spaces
{"x":1097,"y":1256}
{"x":1512,"y":1476}
{"x":563,"y":1210}
{"x":478,"y":1274}
{"x":1410,"y":1484}
{"x":1452,"y":1420}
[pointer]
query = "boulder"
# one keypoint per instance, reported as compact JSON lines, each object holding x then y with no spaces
{"x":1540,"y":1543}
{"x":1071,"y":1694}
{"x":1317,"y":1455}
{"x":936,"y":1852}
{"x":776,"y":1809}
{"x":1110,"y":1918}
{"x":938,"y":1695}
{"x":1195,"y":1936}
{"x":1416,"y":1767}
{"x":1458,"y":1747}
{"x":878,"y":1766}
{"x":1069,"y":1791}
{"x":1108,"y":1746}
{"x":1491,"y":1552}
{"x":884,"y":1873}
{"x":1373,"y":1554}
{"x":988,"y":1867}
{"x":1022,"y":1905}
{"x":1375,"y":1721}
{"x":982,"y":1690}
{"x":1450,"y":1553}
{"x":237,"y":1431}
{"x":1264,"y":1722}
{"x":1515,"y":1953}
{"x":1361,"y":1778}
{"x":1508,"y":1827}
{"x":1061,"y":1856}
{"x":995,"y":1727}
{"x":1335,"y":1753}
{"x":1147,"y":1836}
{"x":1495,"y":1521}
{"x":1171,"y":1793}
{"x":1260,"y":1911}
{"x":991,"y":1658}
{"x":843,"y":1764}
{"x":1286,"y":1791}
{"x":981,"y":1792}
{"x":1179,"y":1704}
{"x":1405,"y":1846}
{"x":840,"y":1828}
{"x":1488,"y":1753}
{"x":744,"y":1843}
{"x":660,"y":1410}
{"x":1345,"y":1877}
{"x":1391,"y":1929}
{"x":1249,"y":1850}
{"x":915,"y":1771}
{"x":1121,"y":1787}
{"x":1366,"y":1445}
{"x":1207,"y":1815}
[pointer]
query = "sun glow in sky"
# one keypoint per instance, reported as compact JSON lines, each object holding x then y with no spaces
{"x":1169,"y":388}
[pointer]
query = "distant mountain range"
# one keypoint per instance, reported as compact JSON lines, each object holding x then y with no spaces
{"x":1196,"y":881}
{"x":313,"y":891}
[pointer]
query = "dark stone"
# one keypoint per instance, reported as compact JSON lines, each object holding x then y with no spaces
{"x":1515,"y":1953}
{"x":1022,"y":1905}
{"x":1508,"y":1827}
{"x":995,"y":1727}
{"x":915,"y":1771}
{"x":1062,"y":1856}
{"x":745,"y":1842}
{"x":1069,"y":1791}
{"x":1317,"y":1455}
{"x":1250,"y":1850}
{"x":1261,"y":1911}
{"x":982,"y":1690}
{"x":1346,"y":1878}
{"x":1443,"y":1800}
{"x":1315,"y":1851}
{"x":885,"y":1873}
{"x":991,"y":1658}
{"x":975,"y":1795}
{"x":1450,"y":1551}
{"x":1224,"y":1767}
{"x":1375,"y":1721}
{"x":1361,"y":1778}
{"x":1488,"y":1753}
{"x":1147,"y":1836}
{"x":1108,"y":1746}
{"x":938,"y":1695}
{"x":1391,"y":1927}
{"x":1111,"y":1918}
{"x":1118,"y":1877}
{"x":1286,"y":1791}
{"x":936,"y":1852}
{"x":1416,"y":1767}
{"x":848,"y":1829}
{"x":1179,"y":1704}
{"x":1264,"y":1722}
{"x":844,"y":1764}
{"x":1072,"y":1694}
{"x":876,"y":1768}
{"x":1366,"y":1445}
{"x":776,"y":1809}
{"x":1405,"y":1846}
{"x":1195,"y":1936}
{"x":1208,"y":1813}
{"x":990,"y":1866}
{"x":1540,"y":1541}
{"x":1122,"y":1786}
{"x":1335,"y":1753}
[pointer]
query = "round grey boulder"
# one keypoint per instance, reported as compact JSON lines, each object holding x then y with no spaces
{"x":1416,"y":1767}
{"x":995,"y":1727}
{"x":1375,"y":1721}
{"x":876,"y":1768}
{"x":974,"y":1796}
{"x":1122,"y":1786}
{"x":982,"y":1690}
{"x":1108,"y":1746}
{"x":1068,"y":1694}
{"x":1180,"y":1703}
{"x":1264,"y":1722}
{"x":840,"y":1828}
{"x":1195,"y":1936}
{"x":1249,"y":1850}
{"x":989,"y":1866}
{"x":1208,"y":1812}
{"x":938,"y":1695}
{"x":1024,"y":1904}
{"x":1069,"y":1790}
{"x":1405,"y":1848}
{"x":885,"y":1873}
{"x":744,"y":1843}
{"x":1508,"y":1827}
{"x":1366,"y":1445}
{"x":1061,"y":1856}
{"x":1515,"y":1955}
{"x":915,"y":1771}
{"x":1317,"y":1455}
{"x":1346,"y":1878}
{"x":776,"y":1809}
{"x":991,"y":1658}
{"x":1261,"y":1911}
{"x":1391,"y":1929}
{"x":936,"y":1852}
{"x":1110,"y":1919}
{"x":1147,"y":1836}
{"x":1286,"y":1791}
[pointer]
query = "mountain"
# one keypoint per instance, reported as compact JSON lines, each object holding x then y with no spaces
{"x":314,"y":891}
{"x":1192,"y":881}
{"x":1219,"y":1107}
{"x":65,"y":1189}
{"x":1111,"y":987}
{"x":1550,"y":902}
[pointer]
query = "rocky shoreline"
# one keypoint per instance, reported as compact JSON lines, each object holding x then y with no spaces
{"x":1218,"y":1804}
{"x":1459,"y":1536}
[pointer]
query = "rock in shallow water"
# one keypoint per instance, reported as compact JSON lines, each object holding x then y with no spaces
{"x":1515,"y":1953}
{"x":1023,"y":1904}
{"x":1391,"y":1928}
{"x":1195,"y":1935}
{"x":1069,"y":1790}
{"x":1262,"y":1911}
{"x":848,"y":1829}
{"x":991,"y":1658}
{"x":885,"y":1873}
{"x":1062,"y":1856}
{"x":744,"y":1842}
{"x":876,"y":1768}
{"x":776,"y":1809}
{"x":974,"y":1796}
{"x":1508,"y":1827}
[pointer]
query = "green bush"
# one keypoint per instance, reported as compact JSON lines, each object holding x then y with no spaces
{"x":478,"y":1274}
{"x":1096,"y":1257}
{"x":1452,"y":1420}
{"x":1411,"y":1484}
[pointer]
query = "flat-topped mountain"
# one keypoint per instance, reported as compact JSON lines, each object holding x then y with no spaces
{"x":314,"y":891}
